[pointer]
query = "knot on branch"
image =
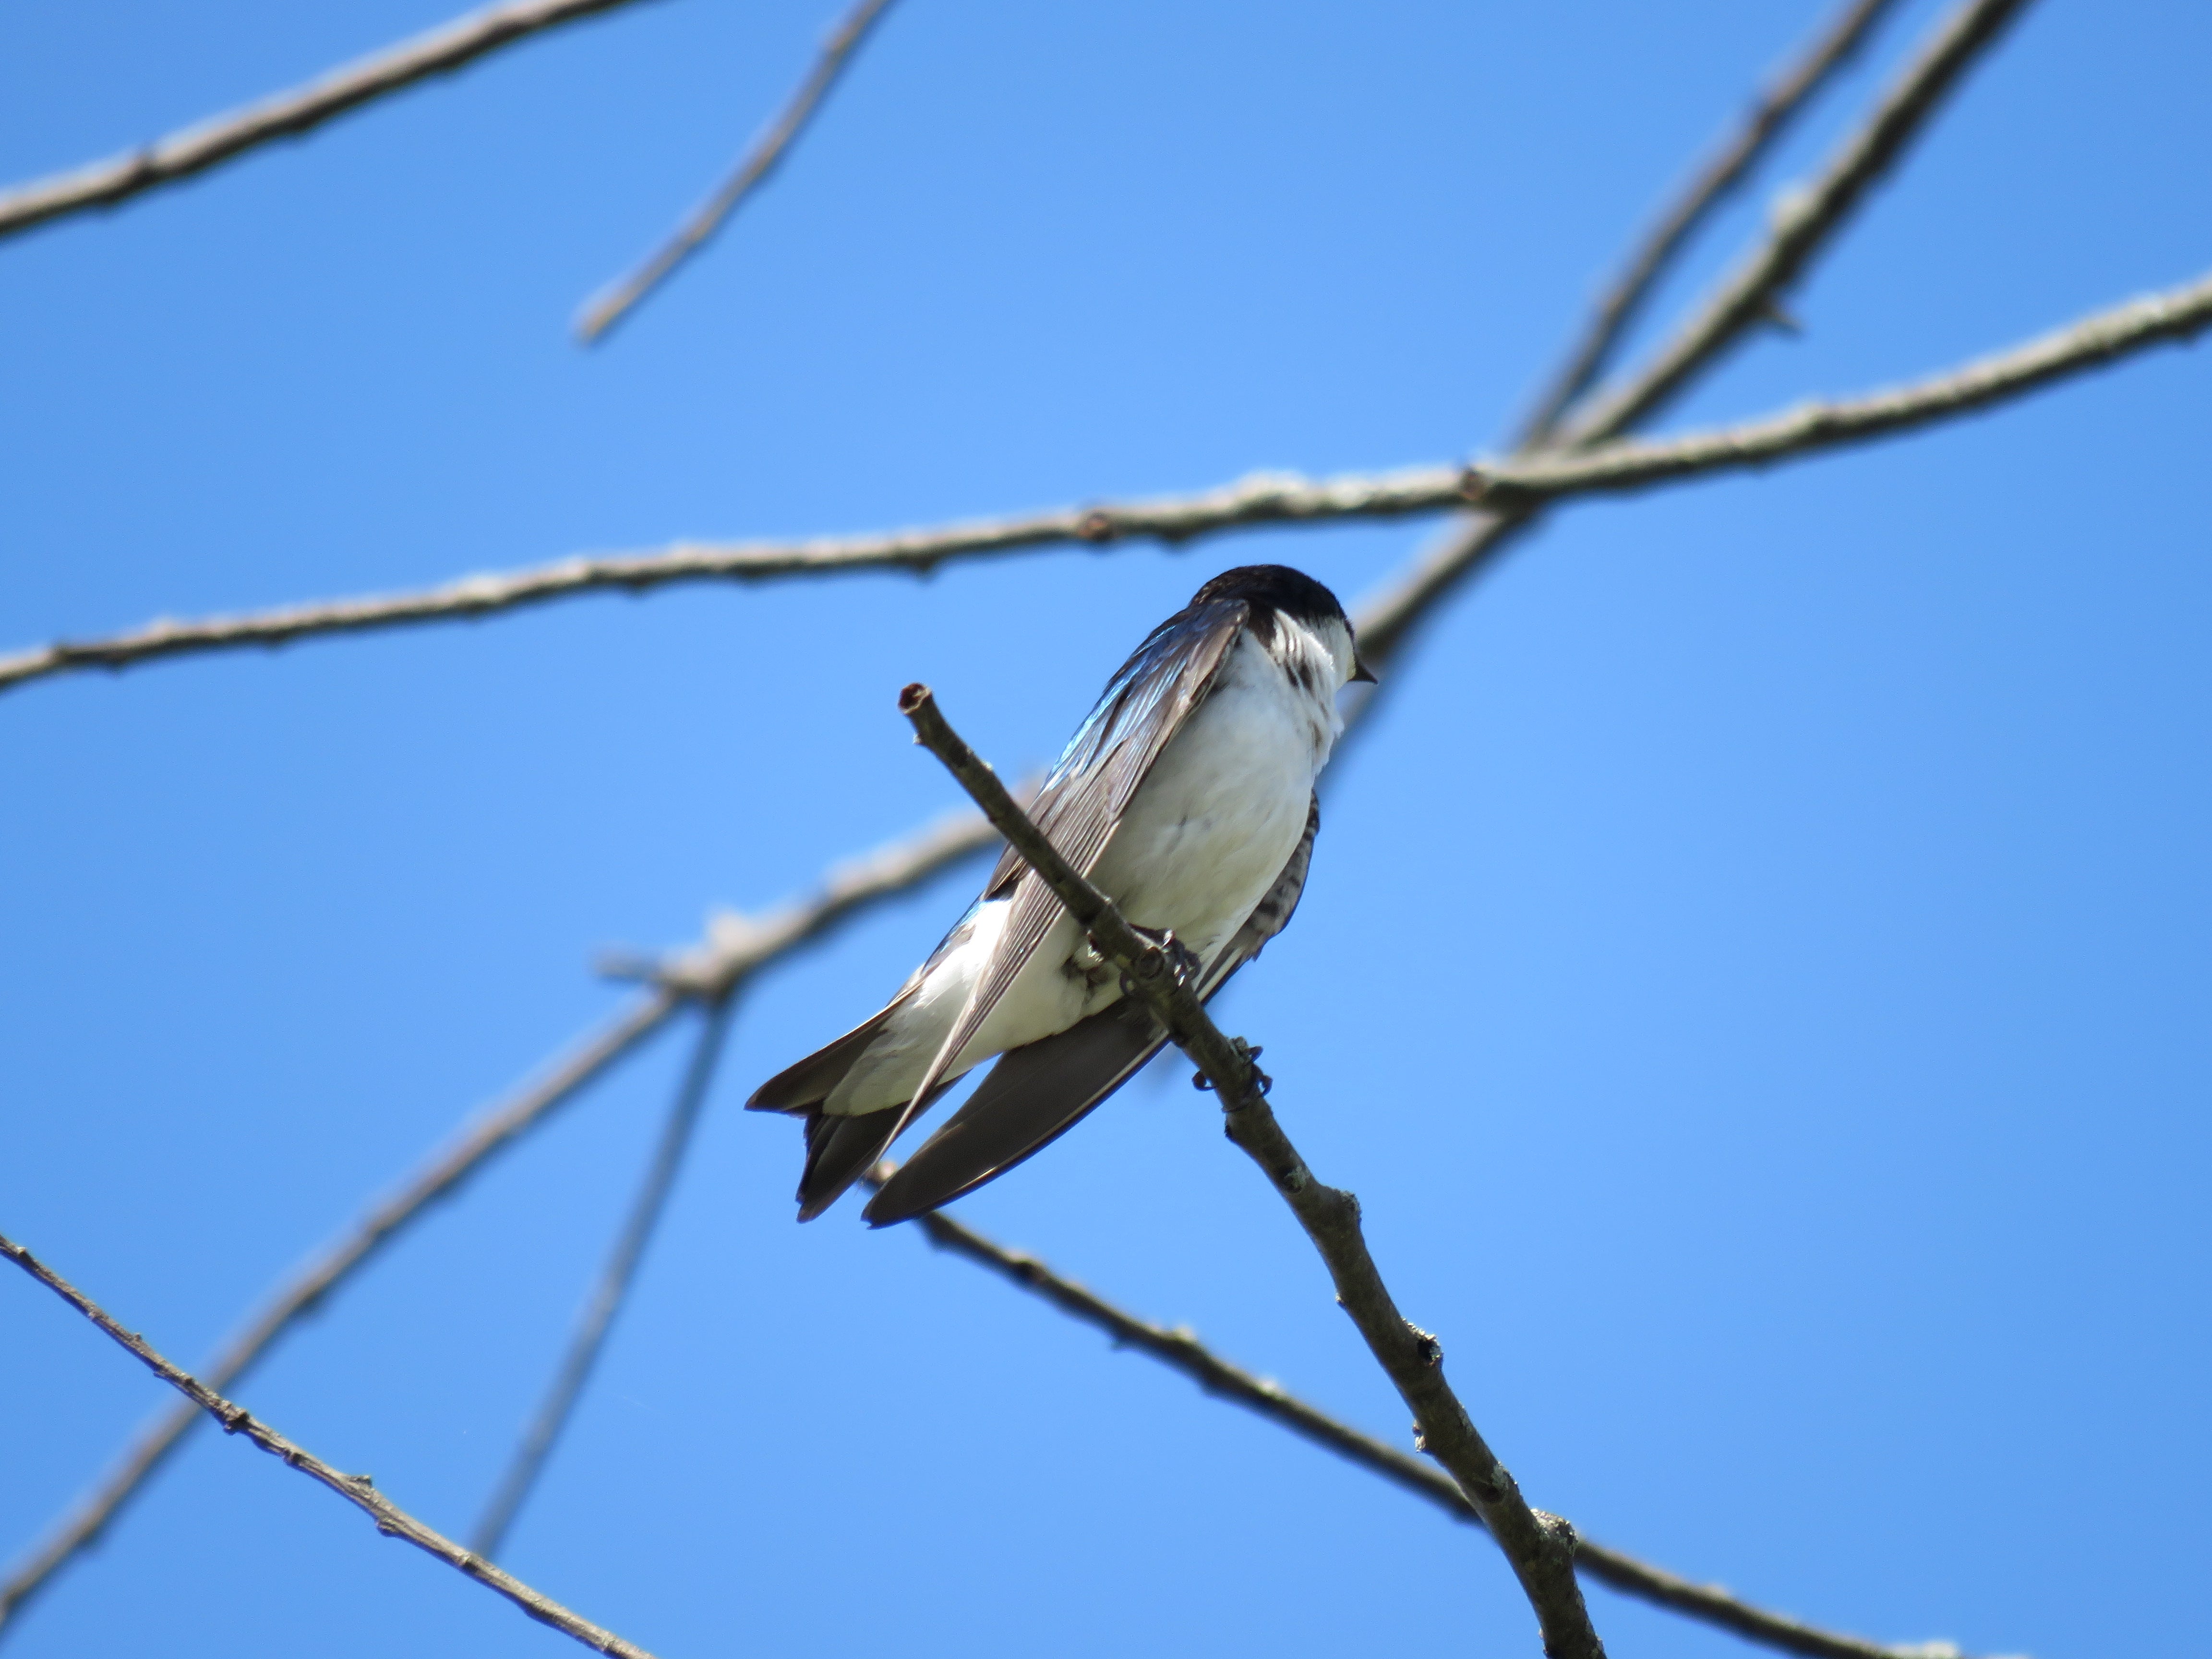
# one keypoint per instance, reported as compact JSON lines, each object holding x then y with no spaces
{"x":1426,"y":1348}
{"x":235,"y":1419}
{"x":1558,"y":1530}
{"x":1097,"y":527}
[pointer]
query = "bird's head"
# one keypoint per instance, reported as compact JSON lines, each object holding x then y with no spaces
{"x":1278,"y":589}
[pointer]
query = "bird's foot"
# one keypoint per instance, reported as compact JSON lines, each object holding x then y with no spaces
{"x":1249,"y":1053}
{"x":1181,"y":960}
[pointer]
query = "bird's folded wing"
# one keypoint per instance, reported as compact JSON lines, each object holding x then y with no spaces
{"x":1036,"y":1093}
{"x":799,"y":1088}
{"x":1144,"y":707}
{"x":1032,"y":1097}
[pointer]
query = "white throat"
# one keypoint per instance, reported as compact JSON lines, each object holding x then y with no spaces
{"x":1315,"y":663}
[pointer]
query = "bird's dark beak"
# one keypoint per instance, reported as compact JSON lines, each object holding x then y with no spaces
{"x":1361,"y":673}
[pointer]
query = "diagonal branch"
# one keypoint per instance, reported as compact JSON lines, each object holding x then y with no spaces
{"x":1770,"y":117}
{"x":609,"y":307}
{"x":1540,"y":1547}
{"x":1804,"y":220}
{"x":445,"y":1172}
{"x":608,"y":1293}
{"x":357,"y":1489}
{"x":1179,"y":1350}
{"x":286,"y":114}
{"x":735,"y":943}
{"x":736,"y":947}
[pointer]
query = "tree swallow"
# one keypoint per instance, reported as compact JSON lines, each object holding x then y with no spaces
{"x":1188,"y":797}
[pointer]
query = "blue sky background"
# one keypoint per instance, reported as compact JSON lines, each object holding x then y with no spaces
{"x":1754,"y":973}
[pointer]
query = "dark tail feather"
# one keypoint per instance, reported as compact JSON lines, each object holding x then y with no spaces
{"x":838,"y":1149}
{"x":1032,"y":1097}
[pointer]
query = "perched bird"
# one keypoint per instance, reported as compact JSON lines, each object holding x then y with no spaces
{"x":1188,"y":797}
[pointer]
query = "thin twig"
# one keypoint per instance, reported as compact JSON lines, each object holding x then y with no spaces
{"x":1540,"y":1547}
{"x":1514,"y":486}
{"x":1771,"y":116}
{"x":1179,"y":1350}
{"x":612,"y":1287}
{"x":285,"y":114}
{"x":305,"y":1290}
{"x":616,"y":302}
{"x":357,"y":1489}
{"x":1804,"y":219}
{"x":736,"y":947}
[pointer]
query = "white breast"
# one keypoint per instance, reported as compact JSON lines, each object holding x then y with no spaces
{"x":1225,"y":804}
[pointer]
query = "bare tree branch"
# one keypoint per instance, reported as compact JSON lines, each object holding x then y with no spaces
{"x":1810,"y":217}
{"x":613,"y":1285}
{"x":286,"y":114}
{"x":1804,"y":219}
{"x":602,"y":312}
{"x":1512,"y":486}
{"x":1514,"y":490}
{"x":1261,"y":500}
{"x":357,"y":1489}
{"x":1769,"y":117}
{"x":736,"y":947}
{"x":1540,"y":1547}
{"x":1520,"y":487}
{"x":1179,"y":1350}
{"x":2177,"y":314}
{"x":1332,"y":1220}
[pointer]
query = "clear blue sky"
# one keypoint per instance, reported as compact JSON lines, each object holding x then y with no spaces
{"x":1754,"y":974}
